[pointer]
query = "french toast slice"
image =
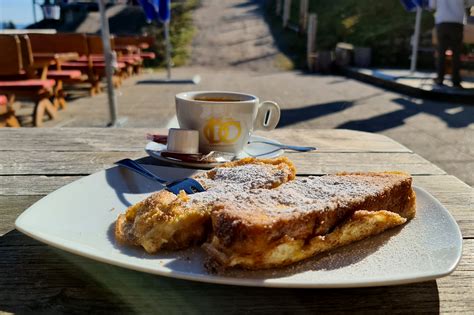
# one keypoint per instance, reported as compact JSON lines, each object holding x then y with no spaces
{"x":168,"y":221}
{"x":305,"y":217}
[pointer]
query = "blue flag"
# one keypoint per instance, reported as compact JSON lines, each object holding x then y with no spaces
{"x":164,"y":10}
{"x":410,"y":5}
{"x":151,"y":8}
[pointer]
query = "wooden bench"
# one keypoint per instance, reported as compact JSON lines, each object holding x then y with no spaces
{"x":66,"y":43}
{"x":40,"y":69}
{"x":136,"y":44}
{"x":139,"y":41}
{"x":14,"y":80}
{"x":96,"y":50}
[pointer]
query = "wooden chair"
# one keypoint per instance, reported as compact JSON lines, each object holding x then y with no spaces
{"x":14,"y":81}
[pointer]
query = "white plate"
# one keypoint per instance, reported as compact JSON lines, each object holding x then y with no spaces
{"x":79,"y":218}
{"x":260,"y":150}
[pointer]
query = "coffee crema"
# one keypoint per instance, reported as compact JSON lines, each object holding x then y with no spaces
{"x":215,"y":99}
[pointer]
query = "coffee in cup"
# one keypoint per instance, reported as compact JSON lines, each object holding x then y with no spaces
{"x":225,"y":120}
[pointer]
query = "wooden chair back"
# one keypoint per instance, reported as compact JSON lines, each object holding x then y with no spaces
{"x":126,"y":40}
{"x":28,"y":59}
{"x":141,"y":41}
{"x":59,"y":43}
{"x":26,"y":51}
{"x":10,"y":56}
{"x":147,"y":40}
{"x":95,"y":46}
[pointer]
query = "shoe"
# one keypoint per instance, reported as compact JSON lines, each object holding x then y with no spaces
{"x":458,"y":86}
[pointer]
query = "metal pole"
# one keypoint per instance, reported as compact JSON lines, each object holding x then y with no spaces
{"x":168,"y":49}
{"x":311,"y":40}
{"x":286,"y":12}
{"x":303,"y":23}
{"x":109,"y":58}
{"x":416,"y":39}
{"x":34,"y":11}
{"x":278,"y":7}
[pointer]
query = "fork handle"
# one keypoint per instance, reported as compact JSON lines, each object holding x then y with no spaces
{"x":138,"y":168}
{"x":286,"y":146}
{"x":298,"y":148}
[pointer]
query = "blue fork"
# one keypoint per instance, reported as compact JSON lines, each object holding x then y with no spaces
{"x":189,"y":185}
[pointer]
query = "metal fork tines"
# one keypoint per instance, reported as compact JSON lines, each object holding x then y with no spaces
{"x":189,"y":185}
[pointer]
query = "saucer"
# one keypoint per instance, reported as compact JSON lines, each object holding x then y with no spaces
{"x":260,"y":150}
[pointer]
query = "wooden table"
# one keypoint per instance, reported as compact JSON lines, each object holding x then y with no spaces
{"x":38,"y":278}
{"x":46,"y":59}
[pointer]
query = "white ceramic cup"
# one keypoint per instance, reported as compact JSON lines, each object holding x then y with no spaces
{"x":225,"y":120}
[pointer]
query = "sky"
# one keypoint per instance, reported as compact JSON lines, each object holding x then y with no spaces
{"x":19,"y":11}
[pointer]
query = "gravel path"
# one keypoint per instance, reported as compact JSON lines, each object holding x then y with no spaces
{"x":233,"y":33}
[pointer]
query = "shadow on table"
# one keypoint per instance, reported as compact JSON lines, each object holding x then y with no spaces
{"x":39,"y":278}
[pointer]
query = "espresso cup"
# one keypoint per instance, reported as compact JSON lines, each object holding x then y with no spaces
{"x":225,"y":120}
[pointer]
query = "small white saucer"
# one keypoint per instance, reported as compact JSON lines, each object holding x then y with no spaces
{"x":260,"y":150}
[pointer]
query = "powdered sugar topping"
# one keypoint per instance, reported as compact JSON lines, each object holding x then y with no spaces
{"x":248,"y":187}
{"x":229,"y":181}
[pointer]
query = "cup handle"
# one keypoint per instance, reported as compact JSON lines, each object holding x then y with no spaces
{"x":268,"y":116}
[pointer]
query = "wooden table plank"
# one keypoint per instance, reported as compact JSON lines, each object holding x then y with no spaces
{"x":121,"y":139}
{"x":61,"y":163}
{"x":11,"y":207}
{"x":455,"y":195}
{"x":63,"y":281}
{"x":73,"y":139}
{"x":32,"y":185}
{"x":337,"y":140}
{"x":319,"y":164}
{"x":53,"y":162}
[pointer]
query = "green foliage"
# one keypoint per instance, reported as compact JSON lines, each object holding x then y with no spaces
{"x":181,"y":33}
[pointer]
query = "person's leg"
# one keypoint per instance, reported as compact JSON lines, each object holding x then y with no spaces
{"x":456,"y":47}
{"x":441,"y":48}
